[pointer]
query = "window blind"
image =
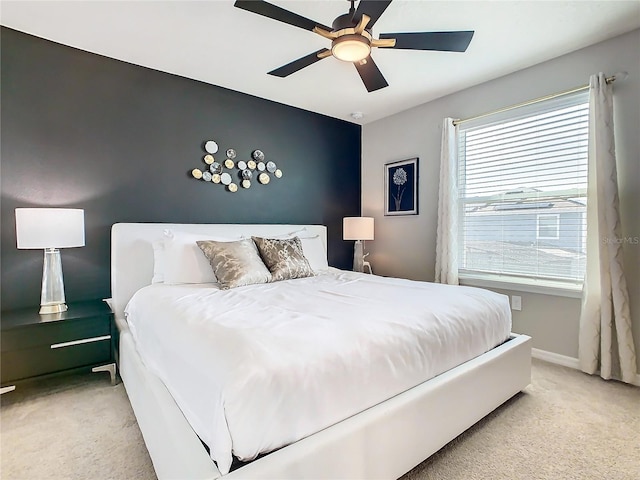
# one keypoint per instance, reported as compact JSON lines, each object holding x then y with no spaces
{"x":522,"y":193}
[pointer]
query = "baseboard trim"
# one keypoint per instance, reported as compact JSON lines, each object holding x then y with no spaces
{"x":565,"y":361}
{"x":555,"y":358}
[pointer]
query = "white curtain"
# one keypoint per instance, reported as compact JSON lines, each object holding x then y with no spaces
{"x":606,"y":341}
{"x":447,"y":230}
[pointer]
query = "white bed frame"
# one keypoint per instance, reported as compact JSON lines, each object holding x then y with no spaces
{"x":384,"y":441}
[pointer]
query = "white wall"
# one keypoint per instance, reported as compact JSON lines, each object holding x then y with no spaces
{"x":405,"y":246}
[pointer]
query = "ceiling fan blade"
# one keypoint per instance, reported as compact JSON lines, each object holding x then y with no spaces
{"x":370,"y":74}
{"x":441,"y":41}
{"x":373,"y":8}
{"x":272,"y":11}
{"x":299,"y":64}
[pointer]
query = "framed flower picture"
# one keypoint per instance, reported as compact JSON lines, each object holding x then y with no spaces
{"x":401,"y":187}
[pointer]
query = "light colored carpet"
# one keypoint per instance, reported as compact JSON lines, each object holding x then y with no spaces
{"x":565,"y":425}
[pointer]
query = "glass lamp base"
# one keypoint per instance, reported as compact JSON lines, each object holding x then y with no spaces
{"x":52,"y":295}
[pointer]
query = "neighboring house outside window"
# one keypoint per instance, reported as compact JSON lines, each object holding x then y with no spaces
{"x":522,"y":195}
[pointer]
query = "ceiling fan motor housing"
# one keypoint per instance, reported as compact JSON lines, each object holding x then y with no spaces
{"x":349,"y":45}
{"x":344,"y":21}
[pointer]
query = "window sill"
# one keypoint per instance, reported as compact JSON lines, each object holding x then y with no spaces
{"x":557,"y":289}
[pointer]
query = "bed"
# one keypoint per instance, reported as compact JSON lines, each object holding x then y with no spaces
{"x":382,"y":440}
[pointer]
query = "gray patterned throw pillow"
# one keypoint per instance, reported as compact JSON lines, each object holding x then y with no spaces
{"x":235,"y":263}
{"x":284,"y":258}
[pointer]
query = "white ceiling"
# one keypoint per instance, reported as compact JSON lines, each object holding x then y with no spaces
{"x":214,"y":42}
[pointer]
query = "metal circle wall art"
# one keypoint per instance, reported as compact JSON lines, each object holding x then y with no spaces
{"x":211,"y":146}
{"x":225,"y":178}
{"x":224,"y":172}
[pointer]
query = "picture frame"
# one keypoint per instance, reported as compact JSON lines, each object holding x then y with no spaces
{"x":401,"y":187}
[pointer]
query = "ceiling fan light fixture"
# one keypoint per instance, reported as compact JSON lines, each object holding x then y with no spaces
{"x":351,"y":48}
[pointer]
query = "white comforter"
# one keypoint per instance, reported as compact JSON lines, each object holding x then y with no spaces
{"x":258,"y":367}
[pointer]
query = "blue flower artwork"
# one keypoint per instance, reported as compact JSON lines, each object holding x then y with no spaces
{"x":401,"y":182}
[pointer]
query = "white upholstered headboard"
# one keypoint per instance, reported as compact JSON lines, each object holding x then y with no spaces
{"x":132,"y":250}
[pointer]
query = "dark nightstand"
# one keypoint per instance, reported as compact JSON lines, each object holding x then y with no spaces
{"x":34,"y":345}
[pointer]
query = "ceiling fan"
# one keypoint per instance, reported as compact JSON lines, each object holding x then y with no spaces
{"x":352,"y":38}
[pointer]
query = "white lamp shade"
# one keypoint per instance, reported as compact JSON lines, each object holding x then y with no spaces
{"x":49,"y":227}
{"x":357,"y":228}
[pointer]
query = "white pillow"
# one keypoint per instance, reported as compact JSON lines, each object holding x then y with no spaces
{"x":312,"y":247}
{"x":315,"y":253}
{"x":184,"y":262}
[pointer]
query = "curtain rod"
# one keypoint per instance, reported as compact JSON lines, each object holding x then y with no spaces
{"x":610,"y":79}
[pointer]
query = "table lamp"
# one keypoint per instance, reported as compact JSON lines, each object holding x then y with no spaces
{"x":50,"y":229}
{"x":358,"y":229}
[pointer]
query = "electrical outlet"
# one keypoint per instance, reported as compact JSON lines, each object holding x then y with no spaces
{"x":516,"y":302}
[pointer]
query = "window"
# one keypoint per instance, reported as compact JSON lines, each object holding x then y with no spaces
{"x":522,"y":194}
{"x":548,"y":227}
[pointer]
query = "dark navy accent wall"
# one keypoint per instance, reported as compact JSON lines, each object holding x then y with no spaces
{"x":118,"y":140}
